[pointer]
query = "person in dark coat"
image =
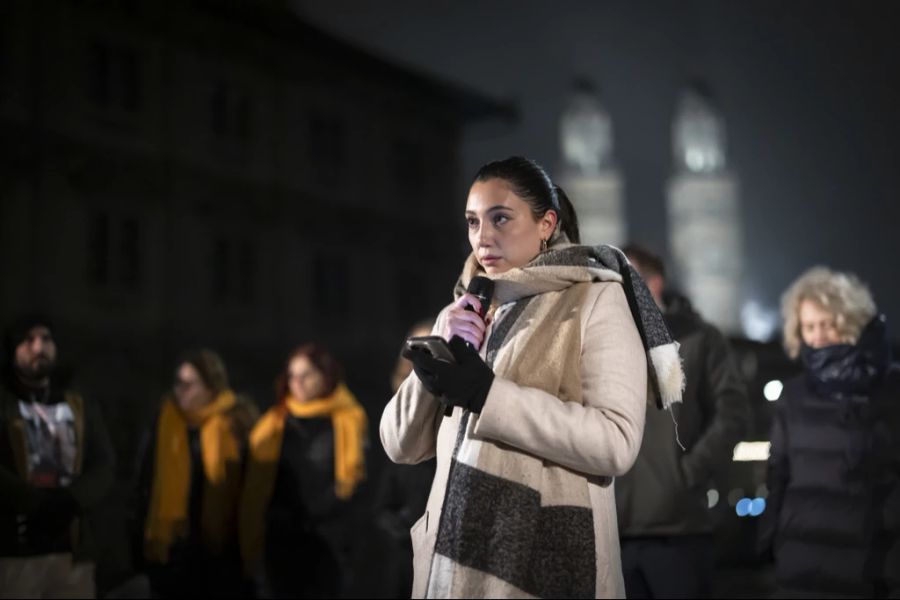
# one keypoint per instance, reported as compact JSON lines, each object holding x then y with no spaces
{"x":664,"y":521}
{"x":833,"y":512}
{"x":56,"y":464}
{"x":402,"y":496}
{"x":189,"y":484}
{"x":306,"y":462}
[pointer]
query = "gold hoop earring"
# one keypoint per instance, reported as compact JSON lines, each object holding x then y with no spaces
{"x":543,"y":245}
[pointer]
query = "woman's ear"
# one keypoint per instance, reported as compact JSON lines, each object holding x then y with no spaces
{"x":548,"y":224}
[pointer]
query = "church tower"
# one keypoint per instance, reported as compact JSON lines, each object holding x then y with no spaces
{"x":588,"y":172}
{"x":704,"y":212}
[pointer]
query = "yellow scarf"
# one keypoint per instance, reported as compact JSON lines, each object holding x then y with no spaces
{"x":348,"y":419}
{"x":167,"y":517}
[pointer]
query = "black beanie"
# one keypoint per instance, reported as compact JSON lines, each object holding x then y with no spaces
{"x":17,"y":331}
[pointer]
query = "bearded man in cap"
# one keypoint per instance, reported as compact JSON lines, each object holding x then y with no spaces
{"x":56,"y":461}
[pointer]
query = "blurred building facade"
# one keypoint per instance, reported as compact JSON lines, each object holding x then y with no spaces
{"x":177,"y":174}
{"x":219,"y":173}
{"x":588,"y":171}
{"x":704,"y":212}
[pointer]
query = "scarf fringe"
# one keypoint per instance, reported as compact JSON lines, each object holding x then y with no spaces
{"x":669,"y":373}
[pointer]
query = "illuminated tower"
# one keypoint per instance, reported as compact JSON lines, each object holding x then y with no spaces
{"x":704,"y":213}
{"x":588,"y":172}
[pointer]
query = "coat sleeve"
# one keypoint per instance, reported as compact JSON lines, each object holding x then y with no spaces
{"x":779,"y":474}
{"x":139,"y":497}
{"x":98,"y":470}
{"x":410,"y":420}
{"x":15,"y":493}
{"x":725,"y":401}
{"x":602,"y":436}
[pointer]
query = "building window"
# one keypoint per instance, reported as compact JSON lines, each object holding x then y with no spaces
{"x":114,"y":256}
{"x":98,"y":249}
{"x":130,"y":7}
{"x":231,"y":111}
{"x":234,"y":272}
{"x":219,"y":110}
{"x":130,"y":253}
{"x":247,"y":264}
{"x":115,"y":76}
{"x":410,"y":295}
{"x":129,"y":79}
{"x":4,"y":54}
{"x":409,"y":169}
{"x":100,"y":74}
{"x":327,"y":147}
{"x":331,"y":284}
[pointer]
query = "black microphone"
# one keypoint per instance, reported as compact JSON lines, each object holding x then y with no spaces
{"x":483,"y":289}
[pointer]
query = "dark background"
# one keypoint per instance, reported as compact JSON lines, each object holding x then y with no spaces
{"x":252,"y":175}
{"x":808,"y":92}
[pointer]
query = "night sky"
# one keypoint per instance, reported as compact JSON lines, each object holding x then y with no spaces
{"x":808,"y":92}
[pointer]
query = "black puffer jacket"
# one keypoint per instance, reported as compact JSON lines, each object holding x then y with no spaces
{"x":834,"y":500}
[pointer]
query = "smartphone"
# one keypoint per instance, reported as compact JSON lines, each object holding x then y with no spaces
{"x":433,"y":345}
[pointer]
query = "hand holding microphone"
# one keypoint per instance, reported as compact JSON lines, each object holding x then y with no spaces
{"x":466,"y":382}
{"x":466,"y":318}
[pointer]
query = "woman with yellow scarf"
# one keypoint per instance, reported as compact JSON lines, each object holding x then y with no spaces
{"x":190,"y":482}
{"x":305,"y":462}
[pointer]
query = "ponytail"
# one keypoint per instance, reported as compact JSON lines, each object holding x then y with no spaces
{"x":568,"y":220}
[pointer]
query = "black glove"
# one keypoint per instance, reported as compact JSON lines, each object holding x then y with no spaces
{"x":50,"y":519}
{"x":465,"y":383}
{"x":55,"y":503}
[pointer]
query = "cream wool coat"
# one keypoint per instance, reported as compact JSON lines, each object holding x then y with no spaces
{"x":592,"y":441}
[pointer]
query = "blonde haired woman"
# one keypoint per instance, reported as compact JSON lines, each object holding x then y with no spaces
{"x":834,"y":501}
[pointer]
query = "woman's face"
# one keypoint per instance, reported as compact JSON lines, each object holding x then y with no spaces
{"x":191,"y":392}
{"x":818,"y":326}
{"x":502,"y":229}
{"x":305,"y":381}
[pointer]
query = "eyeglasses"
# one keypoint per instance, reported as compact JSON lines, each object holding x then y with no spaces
{"x":184,"y":383}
